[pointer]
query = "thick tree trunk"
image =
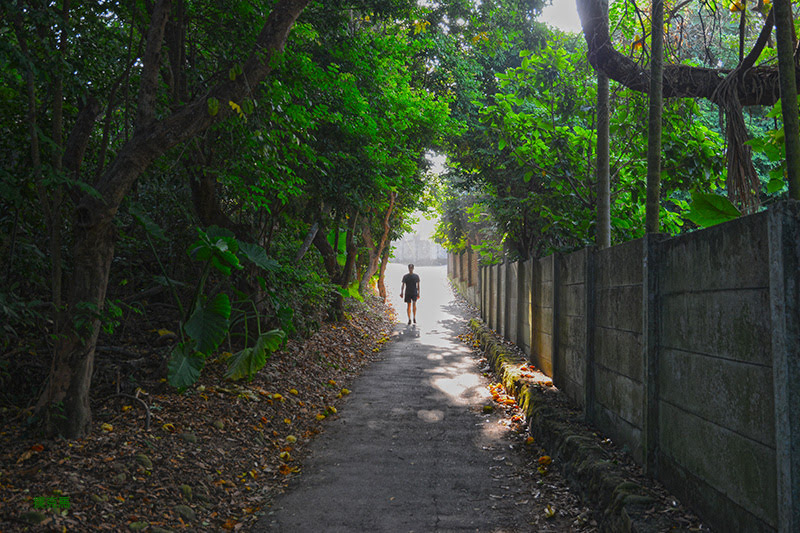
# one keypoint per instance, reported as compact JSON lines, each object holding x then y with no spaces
{"x":205,"y":197}
{"x":373,"y":257}
{"x":64,"y":403}
{"x":330,"y":262}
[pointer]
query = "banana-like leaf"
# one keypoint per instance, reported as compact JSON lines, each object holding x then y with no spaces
{"x":184,"y":366}
{"x":209,"y":323}
{"x":246,"y":363}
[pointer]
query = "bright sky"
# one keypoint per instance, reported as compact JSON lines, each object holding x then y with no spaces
{"x":562,"y":14}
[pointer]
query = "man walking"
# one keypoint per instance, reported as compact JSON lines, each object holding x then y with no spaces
{"x":410,"y":286}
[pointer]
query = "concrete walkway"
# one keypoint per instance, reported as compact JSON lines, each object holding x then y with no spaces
{"x":411,"y":449}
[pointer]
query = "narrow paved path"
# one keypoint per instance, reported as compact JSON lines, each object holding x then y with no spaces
{"x":411,"y":449}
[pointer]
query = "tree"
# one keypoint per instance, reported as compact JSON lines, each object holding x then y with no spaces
{"x":603,"y":239}
{"x":747,"y":84}
{"x":788,"y":85}
{"x":654,"y":123}
{"x":64,"y":403}
{"x":535,"y":182}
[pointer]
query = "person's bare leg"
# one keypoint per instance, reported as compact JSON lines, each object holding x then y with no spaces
{"x":415,"y":311}
{"x":408,"y":311}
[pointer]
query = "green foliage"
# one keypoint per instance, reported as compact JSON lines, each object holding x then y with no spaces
{"x":531,"y":175}
{"x":710,"y":209}
{"x":210,"y":320}
{"x":218,"y":247}
{"x":152,"y":229}
{"x":351,"y":291}
{"x":208,"y":324}
{"x":87,"y":313}
{"x":258,"y":256}
{"x":184,"y":366}
{"x":249,"y":361}
{"x":17,"y":315}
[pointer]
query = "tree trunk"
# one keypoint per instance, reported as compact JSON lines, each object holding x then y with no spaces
{"x":64,"y":402}
{"x":312,"y":233}
{"x":376,"y":252}
{"x":786,"y":64}
{"x":603,"y":167}
{"x":603,"y":234}
{"x":205,"y":197}
{"x":654,"y":122}
{"x":328,"y":253}
{"x":330,"y":261}
{"x":374,"y":256}
{"x":382,"y":275}
{"x":352,"y":254}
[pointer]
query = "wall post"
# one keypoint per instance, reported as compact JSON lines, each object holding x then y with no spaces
{"x":521,"y":301}
{"x":784,"y":272}
{"x":650,"y":350}
{"x":557,"y":370}
{"x":588,"y":352}
{"x":507,"y":301}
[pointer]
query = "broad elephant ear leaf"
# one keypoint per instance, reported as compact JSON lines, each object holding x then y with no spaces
{"x":209,"y":323}
{"x":249,"y":361}
{"x":184,"y":366}
{"x":218,"y":246}
{"x":257,"y":255}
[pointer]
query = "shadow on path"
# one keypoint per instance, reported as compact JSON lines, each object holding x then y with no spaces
{"x":411,"y":449}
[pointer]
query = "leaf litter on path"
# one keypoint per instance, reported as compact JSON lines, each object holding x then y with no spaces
{"x":211,"y":457}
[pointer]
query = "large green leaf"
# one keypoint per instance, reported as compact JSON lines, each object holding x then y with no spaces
{"x":246,"y":363}
{"x":209,"y":323}
{"x":351,"y":292}
{"x":219,"y":246}
{"x":710,"y":209}
{"x":256,"y":254}
{"x":184,"y":366}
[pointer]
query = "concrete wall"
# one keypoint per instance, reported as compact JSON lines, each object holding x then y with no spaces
{"x":686,"y":350}
{"x":493,"y":298}
{"x":502,"y":296}
{"x":525,"y":315}
{"x":542,"y":304}
{"x":568,"y":365}
{"x":512,"y":299}
{"x":463,"y":271}
{"x":617,"y":368}
{"x":715,"y":368}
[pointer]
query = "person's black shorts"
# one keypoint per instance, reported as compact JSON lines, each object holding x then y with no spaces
{"x":411,"y":298}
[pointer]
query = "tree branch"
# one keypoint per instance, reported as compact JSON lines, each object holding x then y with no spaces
{"x":148,"y":84}
{"x":757,"y":86}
